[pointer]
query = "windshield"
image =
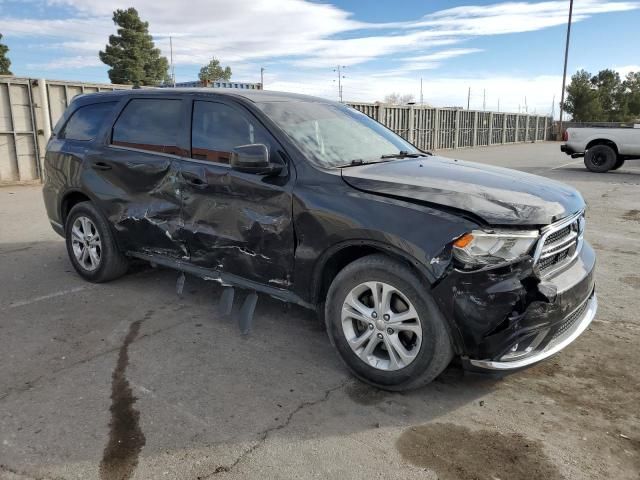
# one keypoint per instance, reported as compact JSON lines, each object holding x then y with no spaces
{"x":335,"y":135}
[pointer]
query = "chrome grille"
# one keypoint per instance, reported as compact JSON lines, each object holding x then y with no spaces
{"x":559,"y":244}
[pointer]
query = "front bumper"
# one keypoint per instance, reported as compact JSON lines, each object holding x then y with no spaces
{"x":583,"y":317}
{"x":511,"y":318}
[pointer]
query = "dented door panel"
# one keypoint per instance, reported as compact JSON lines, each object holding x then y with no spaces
{"x":139,"y":194}
{"x":238,"y":222}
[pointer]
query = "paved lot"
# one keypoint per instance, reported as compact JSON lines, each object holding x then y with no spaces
{"x":279,"y":404}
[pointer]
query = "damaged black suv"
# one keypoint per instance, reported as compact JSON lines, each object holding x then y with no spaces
{"x":410,"y":259}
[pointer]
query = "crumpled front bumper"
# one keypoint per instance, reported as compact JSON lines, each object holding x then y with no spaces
{"x":512,"y":318}
{"x":577,"y":323}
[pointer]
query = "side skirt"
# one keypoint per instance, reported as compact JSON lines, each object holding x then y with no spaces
{"x":225,"y":279}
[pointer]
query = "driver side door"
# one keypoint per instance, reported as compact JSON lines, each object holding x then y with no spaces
{"x":236,"y":222}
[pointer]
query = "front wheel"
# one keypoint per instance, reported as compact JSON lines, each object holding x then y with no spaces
{"x":385,"y":325}
{"x":91,"y":246}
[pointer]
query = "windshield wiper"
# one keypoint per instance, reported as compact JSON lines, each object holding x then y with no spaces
{"x":403,"y":154}
{"x":358,"y":161}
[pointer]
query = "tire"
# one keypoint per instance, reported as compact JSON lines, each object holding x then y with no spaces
{"x":91,"y":246}
{"x":600,"y":158}
{"x":619,"y":163}
{"x":430,"y":354}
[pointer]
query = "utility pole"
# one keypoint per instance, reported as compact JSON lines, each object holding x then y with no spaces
{"x":526,"y":107}
{"x":262,"y":78}
{"x":566,"y":56}
{"x":468,"y":98}
{"x":553,"y":107}
{"x":498,"y":105}
{"x":340,"y":77}
{"x":173,"y":72}
{"x":484,"y":99}
{"x":421,"y":97}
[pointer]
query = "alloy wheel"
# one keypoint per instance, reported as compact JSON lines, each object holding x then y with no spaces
{"x":381,"y":326}
{"x":86,"y":244}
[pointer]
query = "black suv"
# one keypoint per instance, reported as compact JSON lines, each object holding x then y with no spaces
{"x":410,"y":259}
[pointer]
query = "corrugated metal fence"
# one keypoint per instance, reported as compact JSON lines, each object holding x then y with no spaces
{"x":28,"y":109}
{"x":442,"y":128}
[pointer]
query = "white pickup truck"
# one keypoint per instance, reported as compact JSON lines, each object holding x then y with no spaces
{"x":603,"y":149}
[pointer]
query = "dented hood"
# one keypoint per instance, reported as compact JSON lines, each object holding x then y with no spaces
{"x":499,"y":196}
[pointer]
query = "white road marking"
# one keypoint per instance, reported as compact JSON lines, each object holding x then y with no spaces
{"x":61,"y":293}
{"x":566,"y":164}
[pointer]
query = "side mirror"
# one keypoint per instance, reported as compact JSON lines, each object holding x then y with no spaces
{"x":253,"y":158}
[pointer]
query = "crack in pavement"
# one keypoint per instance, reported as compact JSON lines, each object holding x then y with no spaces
{"x":29,"y":384}
{"x":264,"y":435}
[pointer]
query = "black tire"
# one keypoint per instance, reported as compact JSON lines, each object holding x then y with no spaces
{"x":619,"y":163}
{"x":112,"y":263}
{"x":435,"y":351}
{"x":600,"y":158}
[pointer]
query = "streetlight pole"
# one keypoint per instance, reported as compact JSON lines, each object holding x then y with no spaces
{"x":340,"y":77}
{"x":566,"y":56}
{"x":262,"y":78}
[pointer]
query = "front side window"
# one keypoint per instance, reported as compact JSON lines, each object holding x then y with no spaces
{"x":85,"y":122}
{"x":150,"y":124}
{"x":334,"y":135}
{"x":218,"y":128}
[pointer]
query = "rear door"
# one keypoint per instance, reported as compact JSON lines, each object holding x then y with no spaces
{"x":134,"y":173}
{"x":236,"y":222}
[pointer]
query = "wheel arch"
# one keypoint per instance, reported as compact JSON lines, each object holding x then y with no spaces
{"x":69,"y":200}
{"x":334,"y":259}
{"x":603,"y":141}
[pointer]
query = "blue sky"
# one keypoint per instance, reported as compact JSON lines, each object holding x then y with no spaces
{"x":511,"y":50}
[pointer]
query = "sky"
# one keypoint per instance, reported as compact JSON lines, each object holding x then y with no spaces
{"x":510,"y":54}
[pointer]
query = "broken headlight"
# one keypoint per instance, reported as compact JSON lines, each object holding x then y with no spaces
{"x":480,"y":248}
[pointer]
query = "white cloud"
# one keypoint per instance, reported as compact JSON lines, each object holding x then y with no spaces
{"x":625,"y":70}
{"x":509,"y":91}
{"x":77,"y":62}
{"x":305,"y":39}
{"x":245,"y":30}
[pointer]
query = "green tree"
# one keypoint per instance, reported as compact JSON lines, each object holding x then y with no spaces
{"x":631,"y":86}
{"x":131,"y":54}
{"x":611,"y":95}
{"x":213,"y":72}
{"x":5,"y":63}
{"x":582,"y":101}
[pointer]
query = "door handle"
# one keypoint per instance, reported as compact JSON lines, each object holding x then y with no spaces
{"x":101,"y":166}
{"x":194,"y":179}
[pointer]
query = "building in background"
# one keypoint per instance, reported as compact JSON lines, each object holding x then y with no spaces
{"x":198,"y":83}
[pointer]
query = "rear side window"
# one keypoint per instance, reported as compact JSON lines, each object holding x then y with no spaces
{"x":217,"y":129}
{"x":150,"y":124}
{"x":85,"y":122}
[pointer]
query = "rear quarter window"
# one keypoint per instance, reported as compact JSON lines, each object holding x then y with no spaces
{"x":150,"y":124}
{"x":86,"y":121}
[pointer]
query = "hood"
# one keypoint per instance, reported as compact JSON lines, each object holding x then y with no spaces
{"x":499,"y":196}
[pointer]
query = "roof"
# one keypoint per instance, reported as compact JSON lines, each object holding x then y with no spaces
{"x":260,"y":96}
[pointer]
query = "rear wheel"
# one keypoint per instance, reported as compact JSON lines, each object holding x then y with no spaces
{"x":385,"y":325}
{"x":600,"y":158}
{"x":619,"y":163}
{"x":91,"y":246}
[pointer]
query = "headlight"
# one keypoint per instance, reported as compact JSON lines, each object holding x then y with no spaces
{"x":484,"y":248}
